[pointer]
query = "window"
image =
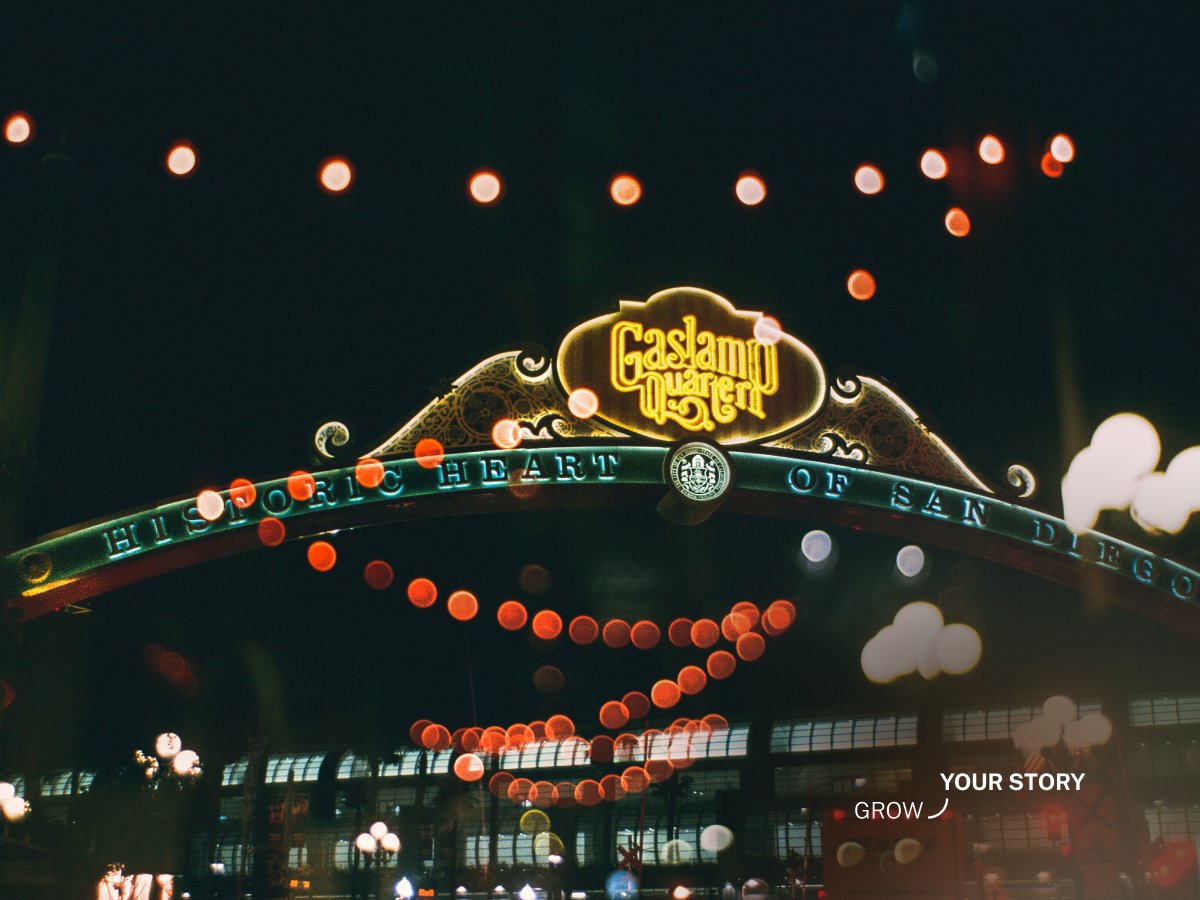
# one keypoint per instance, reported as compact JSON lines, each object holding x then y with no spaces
{"x":1172,"y":709}
{"x":86,"y":778}
{"x":838,"y":779}
{"x":230,"y":855}
{"x":813,"y":735}
{"x":1174,"y":758}
{"x":407,"y":762}
{"x":513,"y":846}
{"x":1173,"y":823}
{"x":297,"y":857}
{"x":547,"y":754}
{"x":343,"y":855}
{"x":706,"y":783}
{"x":439,"y":762}
{"x":57,"y":784}
{"x":229,"y":809}
{"x":994,"y":723}
{"x":784,"y":834}
{"x":659,"y":847}
{"x":235,"y":773}
{"x":1011,"y":827}
{"x":303,"y":768}
{"x":712,"y":744}
{"x":352,"y":765}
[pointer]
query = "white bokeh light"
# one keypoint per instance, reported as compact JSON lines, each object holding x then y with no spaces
{"x":910,"y":561}
{"x":816,"y":546}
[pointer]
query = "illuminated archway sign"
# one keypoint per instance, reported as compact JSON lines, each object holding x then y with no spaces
{"x":695,"y":400}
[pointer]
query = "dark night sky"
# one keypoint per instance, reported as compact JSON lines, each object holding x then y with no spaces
{"x":205,"y":327}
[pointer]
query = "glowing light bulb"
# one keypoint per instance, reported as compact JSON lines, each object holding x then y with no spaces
{"x":1062,"y":148}
{"x":868,"y":179}
{"x":336,"y":175}
{"x":625,"y":190}
{"x":181,"y":159}
{"x":991,"y":151}
{"x":750,"y":190}
{"x":18,"y":129}
{"x":933,"y":165}
{"x":485,"y":187}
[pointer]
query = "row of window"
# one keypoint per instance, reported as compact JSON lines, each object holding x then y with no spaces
{"x":854,"y":733}
{"x":994,"y":723}
{"x":62,"y":784}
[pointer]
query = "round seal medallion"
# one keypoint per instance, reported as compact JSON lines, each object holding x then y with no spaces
{"x":699,"y":472}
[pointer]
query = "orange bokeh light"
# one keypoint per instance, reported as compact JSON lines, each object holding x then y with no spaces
{"x":734,"y":625}
{"x":692,"y":680}
{"x":512,"y":615}
{"x":547,"y":624}
{"x":933,"y":164}
{"x":868,"y":179}
{"x":705,"y":633}
{"x":518,"y":735}
{"x":635,"y":779}
{"x":749,"y":610}
{"x":429,"y":453}
{"x":559,"y":727}
{"x":566,"y":794}
{"x":721,"y":664}
{"x":637,"y":703}
{"x":625,"y":190}
{"x":644,"y":635}
{"x":601,"y":749}
{"x":750,"y":190}
{"x":715,"y":721}
{"x":468,"y":767}
{"x":958,"y":223}
{"x":462,"y":605}
{"x":781,"y":614}
{"x":991,"y":151}
{"x":369,"y":472}
{"x":321,"y":556}
{"x":587,"y":792}
{"x":616,"y":633}
{"x":751,"y":646}
{"x":301,"y":485}
{"x":518,"y":790}
{"x":378,"y":575}
{"x":613,"y":715}
{"x":422,"y":593}
{"x":336,"y":174}
{"x":435,"y":737}
{"x":271,"y":532}
{"x":611,"y":789}
{"x":543,"y":794}
{"x":679,"y":632}
{"x":242,"y":492}
{"x":470,"y":739}
{"x":665,"y":693}
{"x":659,"y":770}
{"x":18,"y":129}
{"x":584,"y":629}
{"x":485,"y":186}
{"x":493,"y":740}
{"x":861,"y":284}
{"x":1051,"y":167}
{"x":498,"y":784}
{"x":417,"y":729}
{"x":181,"y":159}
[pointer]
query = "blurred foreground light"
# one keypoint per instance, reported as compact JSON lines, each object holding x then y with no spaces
{"x":378,"y":830}
{"x":715,"y":838}
{"x":861,"y":284}
{"x":7,"y":791}
{"x":186,"y":762}
{"x":991,"y":151}
{"x":18,"y":129}
{"x":181,"y":160}
{"x":868,"y":179}
{"x":625,"y":190}
{"x":485,"y":186}
{"x":1051,"y":167}
{"x":1062,"y":148}
{"x":210,"y":505}
{"x":506,"y":434}
{"x":924,"y":67}
{"x":404,"y":889}
{"x":816,"y":546}
{"x":933,"y":164}
{"x":336,"y":175}
{"x":910,"y":561}
{"x":958,"y":223}
{"x":768,"y":331}
{"x":681,"y":892}
{"x":365,"y":843}
{"x":167,"y":745}
{"x":582,"y":403}
{"x":15,"y":808}
{"x":750,"y":190}
{"x":390,"y":842}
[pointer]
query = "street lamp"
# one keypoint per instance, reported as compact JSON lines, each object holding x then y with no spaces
{"x":378,"y":844}
{"x":168,"y":748}
{"x":13,"y":806}
{"x":404,"y":889}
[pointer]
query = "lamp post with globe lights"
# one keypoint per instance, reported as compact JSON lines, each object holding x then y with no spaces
{"x":169,"y":758}
{"x":12,"y":805}
{"x":377,"y":845}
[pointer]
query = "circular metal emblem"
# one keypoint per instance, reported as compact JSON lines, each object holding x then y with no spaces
{"x":699,"y":472}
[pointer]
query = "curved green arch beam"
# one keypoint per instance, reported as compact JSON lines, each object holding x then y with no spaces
{"x":83,"y":562}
